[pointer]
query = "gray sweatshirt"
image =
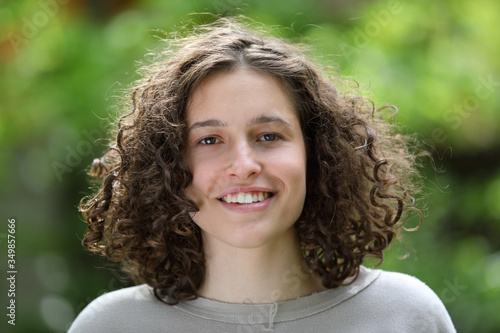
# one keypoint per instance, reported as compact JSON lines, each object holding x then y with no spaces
{"x":377,"y":301}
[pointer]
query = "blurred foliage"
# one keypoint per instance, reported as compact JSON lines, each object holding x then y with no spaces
{"x":64,"y":61}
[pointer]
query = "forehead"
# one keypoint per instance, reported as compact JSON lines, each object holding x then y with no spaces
{"x":242,"y":93}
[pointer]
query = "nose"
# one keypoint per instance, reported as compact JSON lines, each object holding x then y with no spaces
{"x":243,"y":161}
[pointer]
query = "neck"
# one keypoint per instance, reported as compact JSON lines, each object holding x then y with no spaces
{"x":267,"y":274}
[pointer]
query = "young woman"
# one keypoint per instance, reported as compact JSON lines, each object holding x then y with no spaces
{"x":243,"y":193}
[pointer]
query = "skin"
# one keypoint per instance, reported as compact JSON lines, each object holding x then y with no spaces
{"x":245,"y":136}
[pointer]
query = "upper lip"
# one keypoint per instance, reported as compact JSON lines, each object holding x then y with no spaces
{"x":237,"y":190}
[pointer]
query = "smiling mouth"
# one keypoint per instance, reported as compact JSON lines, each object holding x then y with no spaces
{"x":246,"y":197}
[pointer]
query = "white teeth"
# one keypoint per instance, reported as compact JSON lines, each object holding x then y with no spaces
{"x":245,"y":198}
{"x":248,"y":198}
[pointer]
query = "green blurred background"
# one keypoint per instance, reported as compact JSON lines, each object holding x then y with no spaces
{"x":64,"y":61}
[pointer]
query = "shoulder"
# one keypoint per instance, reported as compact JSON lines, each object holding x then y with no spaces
{"x":402,"y":282}
{"x":402,"y":288}
{"x":119,"y":311}
{"x":408,"y":301}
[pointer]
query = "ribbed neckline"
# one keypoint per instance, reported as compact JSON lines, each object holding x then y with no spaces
{"x":279,"y":311}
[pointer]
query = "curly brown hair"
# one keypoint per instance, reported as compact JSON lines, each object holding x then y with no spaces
{"x":360,"y":174}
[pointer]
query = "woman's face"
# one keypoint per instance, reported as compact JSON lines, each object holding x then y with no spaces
{"x":248,"y":160}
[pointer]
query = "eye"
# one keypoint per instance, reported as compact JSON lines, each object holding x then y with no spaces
{"x":269,"y":137}
{"x":209,"y":140}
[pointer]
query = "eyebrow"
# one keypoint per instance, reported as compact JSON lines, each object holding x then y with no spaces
{"x":256,"y":121}
{"x":269,"y":119}
{"x":207,"y":123}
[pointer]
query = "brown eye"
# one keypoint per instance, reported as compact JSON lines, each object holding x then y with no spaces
{"x":210,"y":140}
{"x":269,"y":137}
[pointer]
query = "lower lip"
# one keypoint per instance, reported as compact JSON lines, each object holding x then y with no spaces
{"x":248,"y":208}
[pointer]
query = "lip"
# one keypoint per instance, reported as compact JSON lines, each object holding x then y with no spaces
{"x":245,"y":190}
{"x":247,"y":208}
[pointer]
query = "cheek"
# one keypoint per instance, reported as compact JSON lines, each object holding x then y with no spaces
{"x":194,"y":190}
{"x":293,"y":164}
{"x":297,"y":176}
{"x":192,"y":195}
{"x":205,"y":177}
{"x":290,"y":169}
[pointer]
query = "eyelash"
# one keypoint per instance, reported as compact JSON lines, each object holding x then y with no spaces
{"x":275,"y":136}
{"x":209,"y":138}
{"x":212,"y":140}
